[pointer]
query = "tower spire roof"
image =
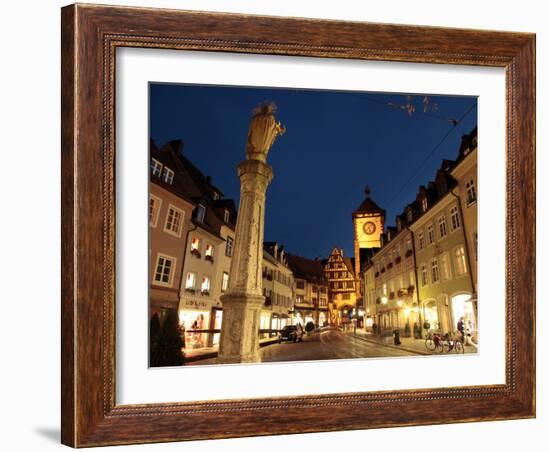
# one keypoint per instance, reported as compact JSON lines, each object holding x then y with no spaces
{"x":368,"y":205}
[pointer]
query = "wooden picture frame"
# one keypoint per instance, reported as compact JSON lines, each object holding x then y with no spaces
{"x":90,"y":36}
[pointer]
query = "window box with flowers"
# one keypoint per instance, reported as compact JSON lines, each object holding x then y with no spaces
{"x":378,"y":300}
{"x":377,"y":274}
{"x":397,"y":260}
{"x":268,"y":301}
{"x":392,"y":295}
{"x":390,"y":266}
{"x":205,"y":292}
{"x":409,"y":253}
{"x":195,"y":252}
{"x":209,"y":258}
{"x":383,"y":270}
{"x":410,"y":290}
{"x":190,"y":289}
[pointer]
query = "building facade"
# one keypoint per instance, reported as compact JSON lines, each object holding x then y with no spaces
{"x":444,"y":239}
{"x":311,"y":291}
{"x":169,"y":221}
{"x":277,"y":286}
{"x":395,"y":284}
{"x":340,"y":275}
{"x":370,"y":295}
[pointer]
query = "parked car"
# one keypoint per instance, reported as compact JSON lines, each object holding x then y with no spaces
{"x":293,"y":333}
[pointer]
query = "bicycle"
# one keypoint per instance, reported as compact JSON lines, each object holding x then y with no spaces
{"x":452,"y":344}
{"x":434,"y":343}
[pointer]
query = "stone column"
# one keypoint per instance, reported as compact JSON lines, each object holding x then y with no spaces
{"x":243,"y":301}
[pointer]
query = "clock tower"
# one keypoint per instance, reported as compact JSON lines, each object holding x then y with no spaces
{"x":368,"y":226}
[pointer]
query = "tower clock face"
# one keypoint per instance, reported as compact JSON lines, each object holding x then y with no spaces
{"x":369,"y":227}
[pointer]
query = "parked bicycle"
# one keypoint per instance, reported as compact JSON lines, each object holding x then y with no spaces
{"x":452,"y":344}
{"x":433,"y":342}
{"x":443,"y":343}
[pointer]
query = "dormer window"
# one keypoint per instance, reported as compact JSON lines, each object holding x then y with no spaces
{"x":168,"y":175}
{"x":226,"y":216}
{"x":399,"y":224}
{"x":409,"y":215}
{"x":216,"y":196}
{"x":200,"y":212}
{"x":470,"y":192}
{"x":424,"y":204}
{"x":156,"y":167}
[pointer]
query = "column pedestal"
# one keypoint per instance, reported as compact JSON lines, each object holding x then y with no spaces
{"x":239,"y":341}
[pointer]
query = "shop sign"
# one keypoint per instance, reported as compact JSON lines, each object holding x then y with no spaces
{"x":196,"y":304}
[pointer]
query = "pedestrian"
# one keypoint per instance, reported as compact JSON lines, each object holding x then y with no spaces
{"x":460,"y":328}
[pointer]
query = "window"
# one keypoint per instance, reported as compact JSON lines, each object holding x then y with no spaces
{"x":455,"y":220}
{"x":345,"y":296}
{"x":156,"y":167}
{"x":474,"y":237}
{"x":190,"y":281}
{"x":300,"y":285}
{"x":424,"y":204}
{"x":409,"y":215}
{"x":349,"y":284}
{"x":209,"y":252}
{"x":168,"y":175}
{"x":195,"y":244}
{"x":411,"y":279}
{"x":174,"y":220}
{"x":225,"y":281}
{"x":229,"y":247}
{"x":408,"y":245}
{"x":384,"y":289}
{"x":435,"y":271}
{"x":460,"y":260}
{"x":399,"y":224}
{"x":299,"y":299}
{"x":216,"y":196}
{"x":164,"y":270}
{"x":424,"y":275}
{"x":154,"y":209}
{"x":200,"y":213}
{"x":442,"y":226}
{"x":445,"y":267}
{"x":431,"y":234}
{"x":470,"y":192}
{"x":226,"y":216}
{"x":205,"y":285}
{"x":420,"y":240}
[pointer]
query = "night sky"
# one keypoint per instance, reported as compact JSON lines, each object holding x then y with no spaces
{"x":336,"y":143}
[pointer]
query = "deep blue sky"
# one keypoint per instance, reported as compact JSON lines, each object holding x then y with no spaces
{"x":335,"y":144}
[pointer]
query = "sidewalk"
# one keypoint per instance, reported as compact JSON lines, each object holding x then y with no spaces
{"x":409,"y":344}
{"x":197,"y":354}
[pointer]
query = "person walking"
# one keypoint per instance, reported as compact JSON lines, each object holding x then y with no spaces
{"x":460,"y":328}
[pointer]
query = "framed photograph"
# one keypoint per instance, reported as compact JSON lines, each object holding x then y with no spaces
{"x":281,"y":225}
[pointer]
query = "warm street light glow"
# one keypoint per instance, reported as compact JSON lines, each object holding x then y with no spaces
{"x":384,"y":300}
